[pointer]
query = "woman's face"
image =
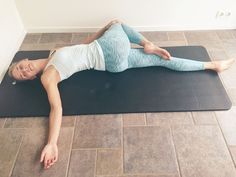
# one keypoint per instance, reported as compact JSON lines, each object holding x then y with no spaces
{"x":24,"y":70}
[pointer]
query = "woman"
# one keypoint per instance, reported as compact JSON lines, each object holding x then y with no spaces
{"x":108,"y":49}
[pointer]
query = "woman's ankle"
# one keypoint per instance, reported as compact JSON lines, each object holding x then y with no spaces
{"x":210,"y":65}
{"x":144,"y":42}
{"x":148,"y":47}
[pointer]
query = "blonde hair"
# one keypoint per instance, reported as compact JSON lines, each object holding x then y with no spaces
{"x":11,"y":67}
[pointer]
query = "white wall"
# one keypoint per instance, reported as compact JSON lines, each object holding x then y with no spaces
{"x":87,"y":15}
{"x":11,"y":34}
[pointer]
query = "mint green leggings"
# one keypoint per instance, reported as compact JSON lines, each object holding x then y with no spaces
{"x":119,"y":56}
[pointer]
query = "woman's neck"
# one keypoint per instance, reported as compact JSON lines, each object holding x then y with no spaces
{"x":40,"y":64}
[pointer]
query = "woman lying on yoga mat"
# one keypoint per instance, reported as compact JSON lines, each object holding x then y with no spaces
{"x":108,"y":50}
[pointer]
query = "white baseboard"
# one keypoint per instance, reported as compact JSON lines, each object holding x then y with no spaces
{"x":11,"y":53}
{"x":71,"y":29}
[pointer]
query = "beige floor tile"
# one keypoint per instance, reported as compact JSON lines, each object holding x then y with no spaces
{"x":176,"y":36}
{"x":10,"y":140}
{"x":36,"y":122}
{"x":170,"y":43}
{"x":218,"y":55}
{"x":201,"y":36}
{"x":78,"y":38}
{"x":169,"y":118}
{"x":155,"y":36}
{"x":2,"y":122}
{"x":201,"y":151}
{"x":204,"y":117}
{"x":82,"y":163}
{"x":234,"y":33}
{"x":233,"y":153}
{"x":63,"y":45}
{"x":30,"y":151}
{"x":32,"y":38}
{"x":98,"y":131}
{"x":37,"y":47}
{"x":56,"y":38}
{"x":109,"y":161}
{"x":208,"y":39}
{"x":156,"y":175}
{"x":227,"y":123}
{"x":229,"y":79}
{"x":209,"y":45}
{"x":26,"y":122}
{"x":149,"y":150}
{"x":68,"y":121}
{"x":134,"y":119}
{"x":230,"y":47}
{"x":229,"y":76}
{"x":225,"y":34}
{"x":232,"y":95}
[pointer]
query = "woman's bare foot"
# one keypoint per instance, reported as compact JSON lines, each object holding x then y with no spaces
{"x":150,"y":48}
{"x":219,"y":66}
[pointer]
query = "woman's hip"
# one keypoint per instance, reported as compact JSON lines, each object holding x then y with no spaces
{"x":115,"y":46}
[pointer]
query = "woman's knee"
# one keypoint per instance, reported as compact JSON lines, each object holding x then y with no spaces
{"x":116,"y":21}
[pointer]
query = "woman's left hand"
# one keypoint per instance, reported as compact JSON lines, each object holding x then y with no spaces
{"x":49,"y":155}
{"x":164,"y":53}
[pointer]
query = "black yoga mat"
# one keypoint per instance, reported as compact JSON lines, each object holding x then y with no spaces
{"x":150,"y":89}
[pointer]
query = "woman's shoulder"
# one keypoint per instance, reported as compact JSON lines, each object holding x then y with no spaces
{"x":50,"y":75}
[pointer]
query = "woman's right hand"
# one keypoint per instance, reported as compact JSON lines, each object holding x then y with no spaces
{"x":150,"y":48}
{"x":49,"y":155}
{"x":164,"y":53}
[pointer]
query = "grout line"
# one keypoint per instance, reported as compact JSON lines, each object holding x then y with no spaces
{"x":234,"y":161}
{"x":227,"y":146}
{"x":18,"y":151}
{"x":72,"y":37}
{"x":226,"y":88}
{"x":185,"y":39}
{"x":214,"y":115}
{"x":76,"y":149}
{"x":168,"y":37}
{"x":140,"y":174}
{"x":21,"y":127}
{"x":175,"y":151}
{"x":39,"y":38}
{"x":38,"y":42}
{"x":122,"y":145}
{"x":223,"y":46}
{"x":95,"y":164}
{"x":4,"y":123}
{"x":194,"y":122}
{"x":72,"y":140}
{"x":145,"y":118}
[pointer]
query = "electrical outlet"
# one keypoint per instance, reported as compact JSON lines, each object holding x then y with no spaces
{"x":222,"y":13}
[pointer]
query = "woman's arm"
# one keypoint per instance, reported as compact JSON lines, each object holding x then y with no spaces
{"x":50,"y":152}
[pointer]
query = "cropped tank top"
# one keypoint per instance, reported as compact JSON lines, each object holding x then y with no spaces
{"x":71,"y":59}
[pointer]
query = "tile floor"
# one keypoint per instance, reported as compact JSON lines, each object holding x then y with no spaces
{"x":183,"y":144}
